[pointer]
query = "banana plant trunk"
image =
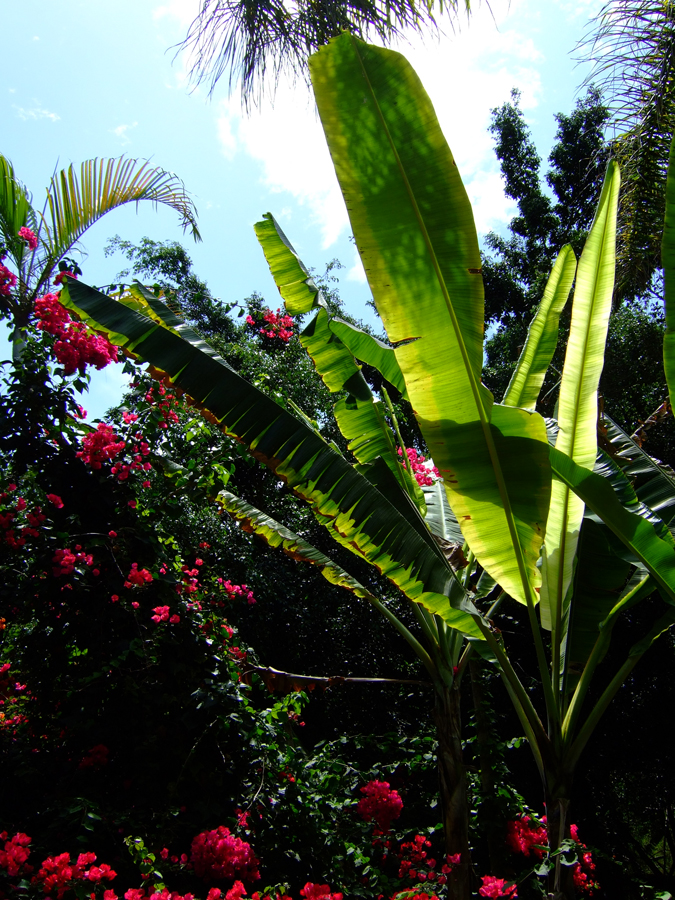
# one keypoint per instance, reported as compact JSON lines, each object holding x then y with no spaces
{"x":561,"y":877}
{"x":452,"y":788}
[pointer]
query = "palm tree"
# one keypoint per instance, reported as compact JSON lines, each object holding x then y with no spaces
{"x":254,"y":38}
{"x":72,"y":205}
{"x":632,"y":47}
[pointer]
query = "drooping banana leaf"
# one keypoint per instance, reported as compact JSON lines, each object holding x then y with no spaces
{"x":578,"y":400}
{"x":542,"y":336}
{"x":440,"y":517}
{"x":637,"y":533}
{"x":668,"y":262}
{"x":367,"y":521}
{"x":654,"y":482}
{"x":295,"y":283}
{"x":414,"y":230}
{"x":277,"y":535}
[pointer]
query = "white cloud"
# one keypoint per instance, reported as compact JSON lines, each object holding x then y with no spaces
{"x":121,"y":132}
{"x":34,"y":113}
{"x":180,"y":11}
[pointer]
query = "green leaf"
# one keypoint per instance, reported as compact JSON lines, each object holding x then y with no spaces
{"x":296,"y":285}
{"x":578,"y":400}
{"x":636,"y":532}
{"x":668,"y":262}
{"x":414,"y":230}
{"x":542,"y":336}
{"x":366,"y":521}
{"x":367,"y":349}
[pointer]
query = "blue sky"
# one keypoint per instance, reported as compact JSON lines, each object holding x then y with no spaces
{"x":95,"y":79}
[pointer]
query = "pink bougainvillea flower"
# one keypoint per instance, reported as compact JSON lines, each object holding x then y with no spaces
{"x":29,"y":236}
{"x":55,"y":500}
{"x":497,"y":887}
{"x":380,"y":804}
{"x":218,"y":854}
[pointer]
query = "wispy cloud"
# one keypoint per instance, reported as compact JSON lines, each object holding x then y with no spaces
{"x":34,"y":113}
{"x":121,"y":132}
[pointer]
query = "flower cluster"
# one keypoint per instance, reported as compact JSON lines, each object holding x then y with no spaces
{"x":218,"y":854}
{"x":164,"y":402}
{"x":15,"y":853}
{"x":64,"y":561}
{"x":137,"y":451}
{"x":95,"y":758}
{"x":318,"y":892}
{"x":162,"y":614}
{"x":29,"y":237}
{"x":583,"y":871}
{"x":7,"y":279}
{"x":424,"y":470}
{"x":525,"y":836}
{"x":75,"y":348}
{"x":237,"y":591}
{"x":12,"y":533}
{"x":416,"y":865}
{"x":380,"y":804}
{"x":276,"y":325}
{"x":58,"y":873}
{"x":497,"y":887}
{"x":150,"y":894}
{"x":100,"y":445}
{"x":137,"y":577}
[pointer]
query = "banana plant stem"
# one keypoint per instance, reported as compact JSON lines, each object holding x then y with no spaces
{"x":418,"y":649}
{"x":394,"y":421}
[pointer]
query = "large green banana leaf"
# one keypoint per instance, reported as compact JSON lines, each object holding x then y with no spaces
{"x":668,"y":262}
{"x":366,"y":520}
{"x":542,"y":336}
{"x":414,"y":229}
{"x":578,"y":400}
{"x":637,"y":533}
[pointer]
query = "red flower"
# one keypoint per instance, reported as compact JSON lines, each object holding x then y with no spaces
{"x":380,"y":803}
{"x":218,"y":854}
{"x":15,"y":854}
{"x":525,"y":836}
{"x":236,"y":892}
{"x":318,"y":892}
{"x":55,"y":500}
{"x":497,"y":887}
{"x":95,"y":758}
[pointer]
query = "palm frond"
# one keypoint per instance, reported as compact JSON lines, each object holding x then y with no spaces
{"x":251,"y":39}
{"x":631,"y":45}
{"x":75,"y":202}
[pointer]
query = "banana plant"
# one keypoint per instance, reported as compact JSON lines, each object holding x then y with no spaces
{"x":73,"y":203}
{"x":558,"y":529}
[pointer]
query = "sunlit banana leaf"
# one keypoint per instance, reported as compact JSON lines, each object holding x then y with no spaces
{"x":578,"y":400}
{"x":367,"y":349}
{"x":635,"y":532}
{"x":668,"y":262}
{"x":542,"y":336}
{"x":368,"y":523}
{"x":414,"y":230}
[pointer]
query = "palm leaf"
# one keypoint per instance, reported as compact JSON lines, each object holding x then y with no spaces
{"x":414,"y":229}
{"x":578,"y":400}
{"x":75,"y":202}
{"x":542,"y":336}
{"x":15,"y":212}
{"x":367,"y":522}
